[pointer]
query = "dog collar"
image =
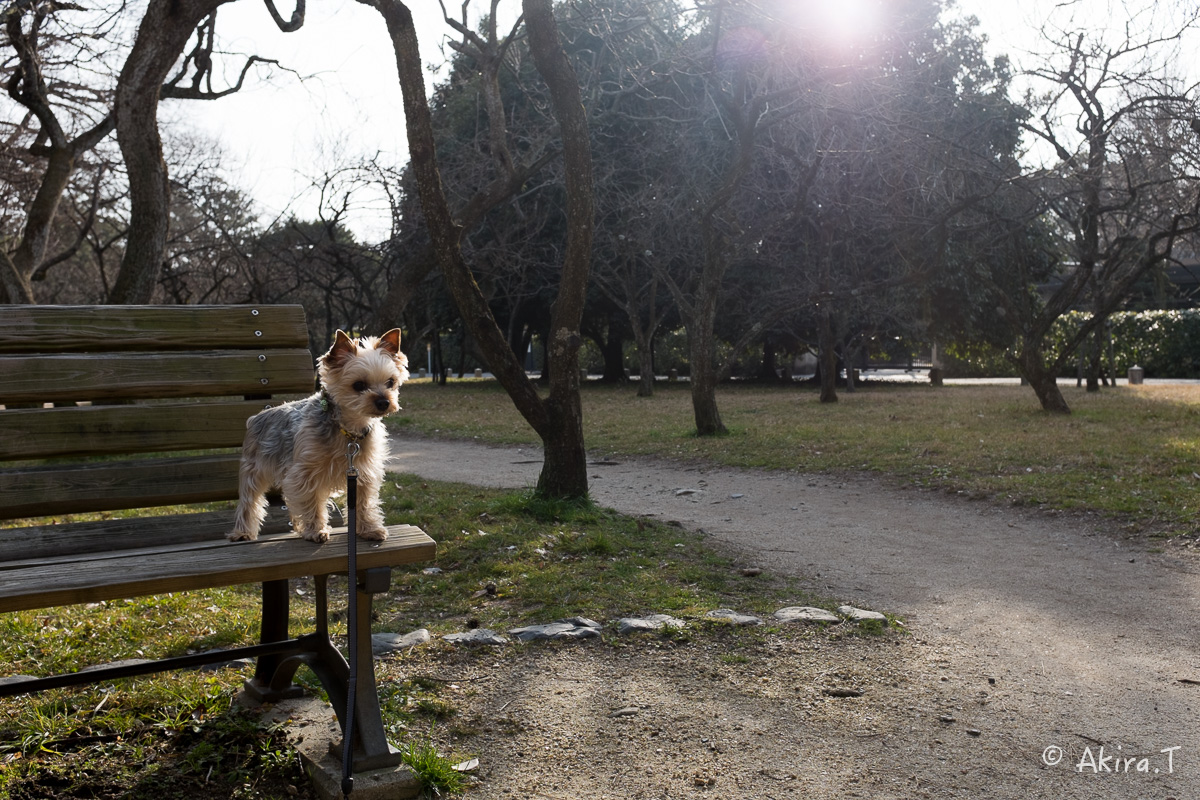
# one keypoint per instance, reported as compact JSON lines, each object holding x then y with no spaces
{"x":355,"y":437}
{"x":328,"y":407}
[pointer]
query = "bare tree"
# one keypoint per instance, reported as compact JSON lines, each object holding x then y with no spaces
{"x":63,"y":72}
{"x":1123,"y":190}
{"x":162,"y":36}
{"x":493,"y":179}
{"x":68,"y":119}
{"x":558,"y":418}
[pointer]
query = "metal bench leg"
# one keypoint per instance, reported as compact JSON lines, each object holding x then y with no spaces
{"x":371,"y":747}
{"x":264,"y":685}
{"x":273,"y":675}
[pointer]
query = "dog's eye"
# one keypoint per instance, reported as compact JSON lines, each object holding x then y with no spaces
{"x":360,"y":386}
{"x":391,"y":383}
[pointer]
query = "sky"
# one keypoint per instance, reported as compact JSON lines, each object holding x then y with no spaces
{"x":342,"y":101}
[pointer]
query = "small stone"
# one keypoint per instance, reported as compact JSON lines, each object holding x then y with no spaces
{"x":384,"y":643}
{"x":946,"y":718}
{"x":682,"y":492}
{"x":432,"y":571}
{"x":477,"y":636}
{"x":554,"y":630}
{"x":733,"y":617}
{"x":627,"y":711}
{"x":974,"y":732}
{"x":805,"y":614}
{"x":750,"y":572}
{"x":860,"y":614}
{"x":839,"y":691}
{"x":655,"y":622}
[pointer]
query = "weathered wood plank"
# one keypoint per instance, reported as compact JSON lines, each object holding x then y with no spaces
{"x":49,"y":378}
{"x":83,"y":329}
{"x":19,"y":547}
{"x":276,"y":558}
{"x":73,"y":488}
{"x":120,"y":430}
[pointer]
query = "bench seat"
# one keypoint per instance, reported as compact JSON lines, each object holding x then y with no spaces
{"x":120,"y":411}
{"x":88,"y":578}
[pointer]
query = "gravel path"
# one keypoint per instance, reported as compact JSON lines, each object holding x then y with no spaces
{"x":1030,"y":632}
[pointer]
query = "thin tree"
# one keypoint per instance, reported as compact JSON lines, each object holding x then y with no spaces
{"x":162,"y":36}
{"x":1117,"y":120}
{"x":558,"y":418}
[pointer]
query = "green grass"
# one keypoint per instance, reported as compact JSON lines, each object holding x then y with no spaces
{"x":1130,"y":452}
{"x":506,"y":559}
{"x":436,"y":773}
{"x":509,"y":559}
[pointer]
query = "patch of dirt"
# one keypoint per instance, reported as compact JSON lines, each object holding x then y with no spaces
{"x":1035,"y":641}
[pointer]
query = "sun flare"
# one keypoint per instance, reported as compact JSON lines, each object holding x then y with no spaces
{"x":839,"y":23}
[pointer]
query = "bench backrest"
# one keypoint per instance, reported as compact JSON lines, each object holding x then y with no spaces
{"x":131,"y":381}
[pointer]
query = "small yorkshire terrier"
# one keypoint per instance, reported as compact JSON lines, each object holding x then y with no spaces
{"x":300,"y":447}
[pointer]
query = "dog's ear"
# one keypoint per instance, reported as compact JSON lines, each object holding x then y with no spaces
{"x":343,"y":350}
{"x":390,"y":342}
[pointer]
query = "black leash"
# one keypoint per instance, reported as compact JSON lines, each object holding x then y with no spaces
{"x":352,"y":449}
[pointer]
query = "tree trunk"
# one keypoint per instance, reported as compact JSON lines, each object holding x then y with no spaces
{"x":559,"y":419}
{"x":1043,"y":381}
{"x":768,"y":370}
{"x":645,"y":370}
{"x":612,"y":350}
{"x":702,"y":355}
{"x":564,"y":472}
{"x":1049,"y":395}
{"x":1094,"y":352}
{"x":827,"y":345}
{"x":162,"y":35}
{"x":14,"y":286}
{"x":645,"y":351}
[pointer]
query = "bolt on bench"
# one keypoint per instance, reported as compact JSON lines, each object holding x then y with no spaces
{"x":151,"y":408}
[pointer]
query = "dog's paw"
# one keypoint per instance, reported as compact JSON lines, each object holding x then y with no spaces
{"x":373,"y":534}
{"x":241,"y":536}
{"x":319,"y":536}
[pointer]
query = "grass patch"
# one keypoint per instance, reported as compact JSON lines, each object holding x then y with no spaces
{"x":505,"y":559}
{"x":1130,"y":452}
{"x":508,"y":558}
{"x":436,"y":773}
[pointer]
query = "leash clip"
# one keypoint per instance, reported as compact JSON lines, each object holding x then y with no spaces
{"x":352,"y":450}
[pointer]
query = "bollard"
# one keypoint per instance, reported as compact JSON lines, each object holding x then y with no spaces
{"x":478,"y":372}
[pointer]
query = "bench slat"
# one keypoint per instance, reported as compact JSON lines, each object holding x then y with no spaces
{"x":276,"y":558}
{"x":21,"y":546}
{"x":118,"y":430}
{"x":73,"y":377}
{"x":65,"y":329}
{"x":70,"y":489}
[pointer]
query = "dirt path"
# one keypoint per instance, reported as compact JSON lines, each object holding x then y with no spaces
{"x":1031,"y":631}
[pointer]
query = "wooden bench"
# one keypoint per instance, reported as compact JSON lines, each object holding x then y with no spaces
{"x":150,"y":407}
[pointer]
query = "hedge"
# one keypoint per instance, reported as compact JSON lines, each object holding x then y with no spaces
{"x":1164,"y":343}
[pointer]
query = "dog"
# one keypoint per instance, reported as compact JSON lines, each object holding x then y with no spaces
{"x":301,"y":447}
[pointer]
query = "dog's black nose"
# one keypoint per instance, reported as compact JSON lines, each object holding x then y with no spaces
{"x":381,"y":403}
